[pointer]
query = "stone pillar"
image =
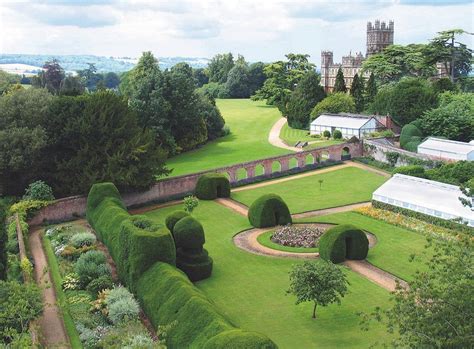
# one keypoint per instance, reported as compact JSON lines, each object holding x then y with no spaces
{"x":250,"y":171}
{"x":285,"y":164}
{"x":301,"y":161}
{"x":233,"y":175}
{"x":317,"y":157}
{"x":267,"y":166}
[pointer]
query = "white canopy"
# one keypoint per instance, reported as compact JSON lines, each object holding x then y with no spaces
{"x":447,"y":146}
{"x":341,"y":121}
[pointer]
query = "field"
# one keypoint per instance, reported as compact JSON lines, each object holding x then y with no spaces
{"x":250,"y":290}
{"x":339,"y":187}
{"x":250,"y":123}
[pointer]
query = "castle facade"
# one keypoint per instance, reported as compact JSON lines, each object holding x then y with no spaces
{"x":379,"y":36}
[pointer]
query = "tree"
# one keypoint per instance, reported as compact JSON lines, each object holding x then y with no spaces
{"x":39,"y":190}
{"x":237,"y":83}
{"x":321,"y":282}
{"x":71,"y":86}
{"x":111,"y":80}
{"x":405,"y":100}
{"x":6,"y":80}
{"x":219,"y":67}
{"x":453,"y":119}
{"x":282,"y":79}
{"x":53,"y":75}
{"x":334,"y":103}
{"x":200,"y":76}
{"x":256,"y":76}
{"x":307,"y":94}
{"x":207,"y":108}
{"x":435,"y":311}
{"x":357,"y":92}
{"x":371,"y":89}
{"x":3,"y":242}
{"x":468,"y":190}
{"x":340,"y":84}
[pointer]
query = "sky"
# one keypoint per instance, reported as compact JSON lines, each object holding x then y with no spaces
{"x":261,"y":30}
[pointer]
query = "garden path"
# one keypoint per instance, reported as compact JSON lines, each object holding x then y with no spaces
{"x":274,"y":136}
{"x":51,"y":323}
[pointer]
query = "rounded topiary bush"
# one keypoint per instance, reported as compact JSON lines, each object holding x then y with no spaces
{"x":239,"y":339}
{"x":343,"y":242}
{"x":269,"y":210}
{"x":407,"y":133}
{"x":189,"y":233}
{"x":337,"y":134}
{"x":211,"y":186}
{"x":174,"y":217}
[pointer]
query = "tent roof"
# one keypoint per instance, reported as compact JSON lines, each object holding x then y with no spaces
{"x":447,"y":146}
{"x":426,"y":193}
{"x":341,"y":120}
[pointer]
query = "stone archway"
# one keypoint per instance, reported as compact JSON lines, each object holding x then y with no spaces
{"x":346,"y":153}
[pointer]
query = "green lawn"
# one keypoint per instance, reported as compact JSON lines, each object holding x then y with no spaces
{"x":292,"y":135}
{"x":339,"y":187}
{"x":394,"y":245}
{"x":250,"y":123}
{"x":250,"y":291}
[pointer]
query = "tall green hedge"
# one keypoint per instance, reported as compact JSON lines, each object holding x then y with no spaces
{"x":269,"y":210}
{"x":173,"y":218}
{"x":211,"y":186}
{"x":3,"y":243}
{"x":333,"y":244}
{"x":169,"y":297}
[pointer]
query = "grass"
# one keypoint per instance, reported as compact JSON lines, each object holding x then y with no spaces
{"x":250,"y":123}
{"x":394,"y":247}
{"x":292,"y":135}
{"x":265,"y":240}
{"x":251,"y":291}
{"x":339,"y":187}
{"x":71,"y":330}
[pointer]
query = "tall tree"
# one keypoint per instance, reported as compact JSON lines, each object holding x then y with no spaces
{"x":3,"y":243}
{"x":111,"y":80}
{"x":357,"y":92}
{"x":71,"y":86}
{"x":200,"y":76}
{"x":338,"y":102}
{"x":237,"y":84}
{"x":219,"y":66}
{"x":50,"y":78}
{"x":371,"y":89}
{"x":307,"y":94}
{"x":340,"y":84}
{"x":256,"y":76}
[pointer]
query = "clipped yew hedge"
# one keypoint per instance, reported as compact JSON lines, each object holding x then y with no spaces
{"x":174,"y":217}
{"x":211,"y":186}
{"x":168,"y":296}
{"x":269,"y":210}
{"x":343,"y":242}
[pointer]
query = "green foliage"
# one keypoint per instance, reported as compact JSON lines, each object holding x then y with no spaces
{"x":453,"y":119}
{"x":219,"y":67}
{"x":122,"y":307}
{"x":168,"y":296}
{"x":90,"y":266}
{"x":189,"y":233}
{"x":342,"y":242}
{"x":321,"y":282}
{"x":26,"y":268}
{"x":371,"y":90}
{"x":340,"y":84}
{"x":357,"y":92}
{"x":190,"y":203}
{"x":444,"y":85}
{"x":303,"y":99}
{"x":327,"y":134}
{"x":21,"y":303}
{"x":212,"y":116}
{"x":3,"y":243}
{"x":408,"y":134}
{"x":269,"y":210}
{"x":337,"y":134}
{"x":174,"y":217}
{"x":101,"y":283}
{"x":7,"y":80}
{"x":405,"y":101}
{"x":82,"y":239}
{"x":457,"y":173}
{"x":211,"y":186}
{"x":411,"y":170}
{"x":237,"y":84}
{"x":334,"y":103}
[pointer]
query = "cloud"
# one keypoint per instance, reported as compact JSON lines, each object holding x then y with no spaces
{"x":435,"y":2}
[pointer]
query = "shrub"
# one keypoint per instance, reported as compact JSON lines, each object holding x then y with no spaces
{"x":412,"y":170}
{"x":211,"y":186}
{"x":116,"y":294}
{"x":82,"y":239}
{"x":337,"y":134}
{"x":189,"y":233}
{"x":334,"y":247}
{"x":101,"y":283}
{"x":327,"y":134}
{"x":123,"y":310}
{"x":269,"y":210}
{"x":90,"y":266}
{"x":39,"y":190}
{"x":190,"y":203}
{"x":408,"y":131}
{"x":173,"y":218}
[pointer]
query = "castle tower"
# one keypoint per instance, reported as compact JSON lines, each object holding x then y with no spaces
{"x":326,"y":62}
{"x":379,"y":36}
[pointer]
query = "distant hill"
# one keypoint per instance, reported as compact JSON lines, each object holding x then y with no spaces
{"x":103,"y":64}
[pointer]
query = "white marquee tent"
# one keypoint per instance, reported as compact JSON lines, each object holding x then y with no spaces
{"x":425,"y":196}
{"x":447,"y":149}
{"x":350,"y":125}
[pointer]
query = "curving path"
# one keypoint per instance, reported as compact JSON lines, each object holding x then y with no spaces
{"x":274,"y":136}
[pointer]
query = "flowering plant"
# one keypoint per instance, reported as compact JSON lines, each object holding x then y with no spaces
{"x":297,"y":236}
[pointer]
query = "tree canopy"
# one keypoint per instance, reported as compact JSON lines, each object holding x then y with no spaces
{"x":334,"y":103}
{"x":340,"y":84}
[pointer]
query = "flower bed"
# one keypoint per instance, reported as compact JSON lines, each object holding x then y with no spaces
{"x":104,"y":313}
{"x":297,"y":236}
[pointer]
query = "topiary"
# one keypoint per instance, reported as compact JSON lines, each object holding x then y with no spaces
{"x":327,"y":134}
{"x":408,"y":131}
{"x":173,"y":218}
{"x":343,"y":242}
{"x":337,"y":134}
{"x":211,"y":186}
{"x":269,"y":210}
{"x":189,"y":233}
{"x":413,"y":144}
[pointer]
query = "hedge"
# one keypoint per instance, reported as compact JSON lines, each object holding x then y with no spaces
{"x":189,"y":233}
{"x":269,"y":210}
{"x":211,"y":186}
{"x":407,"y":133}
{"x":173,"y":218}
{"x":332,"y":244}
{"x":168,"y":297}
{"x":135,"y":244}
{"x":411,"y":170}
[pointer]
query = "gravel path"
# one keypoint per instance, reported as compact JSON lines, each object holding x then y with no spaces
{"x":274,"y":136}
{"x":52,"y":327}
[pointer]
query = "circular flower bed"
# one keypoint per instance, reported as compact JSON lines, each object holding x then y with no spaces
{"x":297,"y":236}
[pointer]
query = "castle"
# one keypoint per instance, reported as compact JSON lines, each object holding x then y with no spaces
{"x":379,"y":36}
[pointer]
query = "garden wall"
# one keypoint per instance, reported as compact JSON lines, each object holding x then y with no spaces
{"x":176,"y":187}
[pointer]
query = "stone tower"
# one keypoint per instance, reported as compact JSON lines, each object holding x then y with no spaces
{"x":379,"y":36}
{"x":326,"y":62}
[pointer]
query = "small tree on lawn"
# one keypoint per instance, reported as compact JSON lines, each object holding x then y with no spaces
{"x":321,"y":282}
{"x":320,"y":181}
{"x":190,"y":203}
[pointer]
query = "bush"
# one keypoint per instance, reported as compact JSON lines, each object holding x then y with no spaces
{"x":189,"y":233}
{"x":408,"y":131}
{"x":82,"y":239}
{"x":190,"y":203}
{"x":327,"y":134}
{"x":39,"y":190}
{"x":173,"y":218}
{"x":116,"y":294}
{"x":333,"y":244}
{"x":412,"y":170}
{"x":269,"y":210}
{"x":211,"y":186}
{"x":101,"y":283}
{"x":337,"y":134}
{"x":91,"y":265}
{"x":124,"y":309}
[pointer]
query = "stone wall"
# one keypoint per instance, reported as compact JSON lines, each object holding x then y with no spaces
{"x":176,"y":187}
